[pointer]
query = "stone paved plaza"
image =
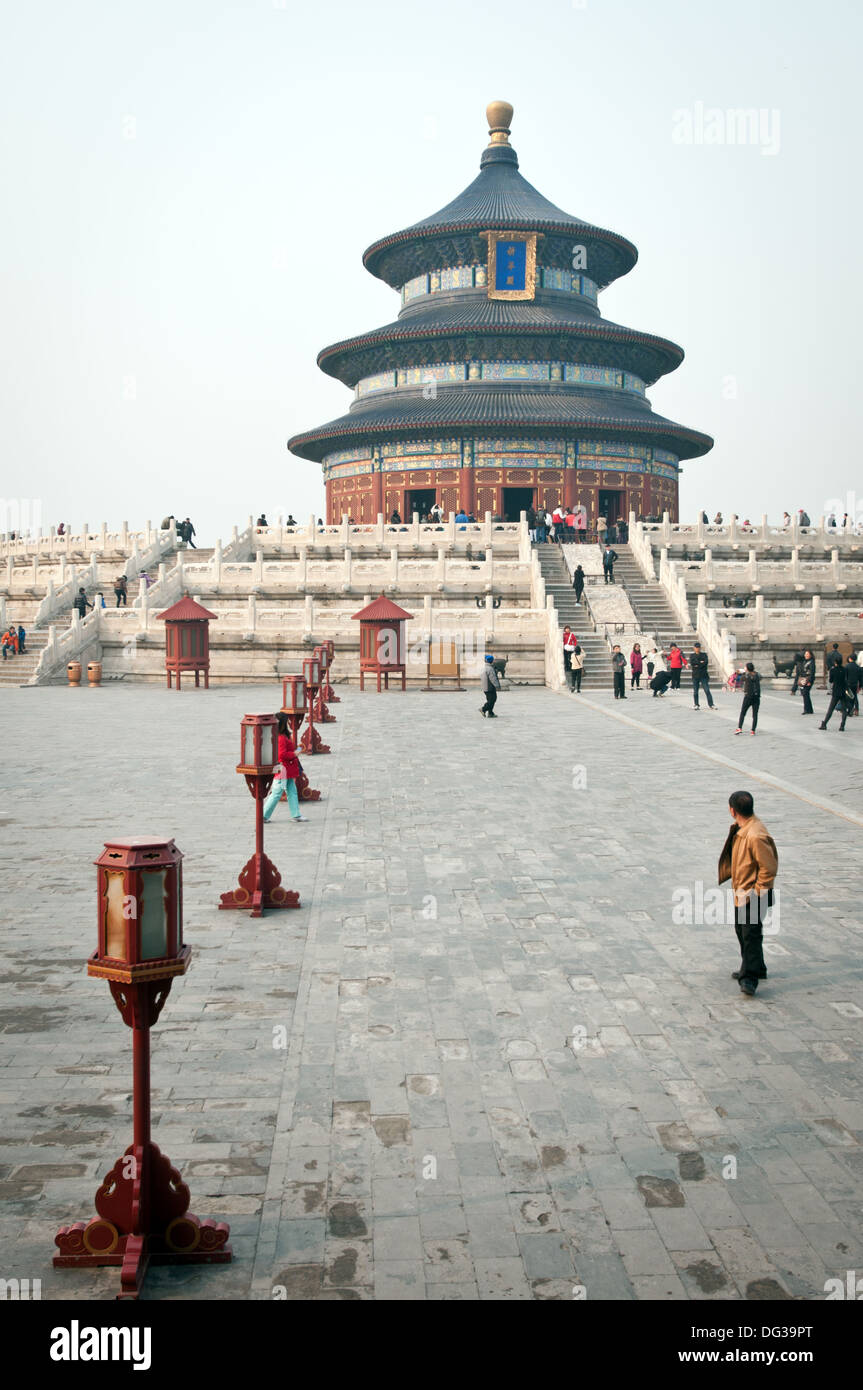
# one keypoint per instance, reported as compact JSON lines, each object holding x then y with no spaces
{"x":508,"y":1072}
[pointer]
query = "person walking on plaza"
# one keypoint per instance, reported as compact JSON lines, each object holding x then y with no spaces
{"x":80,"y":602}
{"x":570,"y":642}
{"x":577,"y":663}
{"x":287,"y":772}
{"x":838,"y":692}
{"x":807,"y":680}
{"x":121,"y":590}
{"x":751,"y":698}
{"x":636,"y":665}
{"x":608,"y":558}
{"x":618,"y":668}
{"x":853,"y":676}
{"x":676,"y":663}
{"x":700,"y":675}
{"x":750,"y":859}
{"x":490,"y":687}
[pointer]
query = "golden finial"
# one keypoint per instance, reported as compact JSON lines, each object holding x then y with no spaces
{"x":499,"y":117}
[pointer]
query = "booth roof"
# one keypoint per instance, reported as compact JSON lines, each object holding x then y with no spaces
{"x":381,"y":608}
{"x":186,"y":610}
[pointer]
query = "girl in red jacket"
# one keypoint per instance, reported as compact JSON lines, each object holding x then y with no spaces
{"x":676,"y":663}
{"x":287,"y":772}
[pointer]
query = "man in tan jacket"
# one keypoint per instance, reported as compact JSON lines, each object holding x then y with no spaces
{"x":750,"y":859}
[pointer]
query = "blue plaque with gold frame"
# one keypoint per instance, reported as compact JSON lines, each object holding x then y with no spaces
{"x":511,"y":265}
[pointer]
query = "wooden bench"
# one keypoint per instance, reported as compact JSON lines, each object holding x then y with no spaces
{"x":443,"y":662}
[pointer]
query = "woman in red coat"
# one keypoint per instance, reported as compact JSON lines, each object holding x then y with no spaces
{"x":676,"y":663}
{"x":287,"y":772}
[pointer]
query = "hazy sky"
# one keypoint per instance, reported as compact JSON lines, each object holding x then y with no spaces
{"x":189,"y":187}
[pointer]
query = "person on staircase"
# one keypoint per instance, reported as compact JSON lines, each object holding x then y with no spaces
{"x":608,"y":558}
{"x":577,"y":661}
{"x":22,"y":637}
{"x":570,"y":642}
{"x":80,"y":603}
{"x":636,"y":665}
{"x":578,"y":583}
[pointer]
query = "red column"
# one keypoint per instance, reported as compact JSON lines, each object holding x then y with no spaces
{"x":466,"y":489}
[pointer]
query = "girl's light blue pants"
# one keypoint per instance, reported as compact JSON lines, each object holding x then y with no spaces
{"x":285,"y":785}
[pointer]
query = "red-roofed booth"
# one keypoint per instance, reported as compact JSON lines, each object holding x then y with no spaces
{"x":187,"y":640}
{"x":382,"y":641}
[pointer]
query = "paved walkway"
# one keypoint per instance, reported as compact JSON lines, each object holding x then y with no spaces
{"x":511,"y":1071}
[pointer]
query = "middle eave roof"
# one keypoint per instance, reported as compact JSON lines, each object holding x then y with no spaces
{"x":467,"y":326}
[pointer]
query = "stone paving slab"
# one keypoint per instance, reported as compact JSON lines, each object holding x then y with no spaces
{"x":483,"y":1060}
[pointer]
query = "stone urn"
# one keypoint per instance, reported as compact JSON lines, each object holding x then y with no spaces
{"x":73,"y":671}
{"x":94,"y":673}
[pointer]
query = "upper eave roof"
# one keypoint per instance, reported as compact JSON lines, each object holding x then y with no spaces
{"x":498,"y":198}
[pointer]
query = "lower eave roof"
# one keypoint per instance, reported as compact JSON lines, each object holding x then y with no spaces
{"x":488,"y":408}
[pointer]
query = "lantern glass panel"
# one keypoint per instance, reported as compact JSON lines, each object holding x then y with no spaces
{"x":154,"y":915}
{"x":268,"y":745}
{"x":297,"y":695}
{"x":115,"y":921}
{"x":313,"y":671}
{"x":249,"y":745}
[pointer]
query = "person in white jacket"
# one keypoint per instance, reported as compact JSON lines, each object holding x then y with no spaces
{"x":658,"y":661}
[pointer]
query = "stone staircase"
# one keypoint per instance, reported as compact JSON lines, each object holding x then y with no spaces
{"x":597,"y":656}
{"x":17,"y":670}
{"x":652,"y":608}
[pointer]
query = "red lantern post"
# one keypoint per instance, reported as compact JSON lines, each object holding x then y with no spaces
{"x":260,"y":883}
{"x":294,"y":706}
{"x":311,"y":741}
{"x":329,"y":694}
{"x":142,"y":1204}
{"x":322,"y":714}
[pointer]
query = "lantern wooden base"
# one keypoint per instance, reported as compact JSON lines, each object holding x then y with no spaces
{"x":304,"y":791}
{"x":257,"y":892}
{"x":143,"y":1181}
{"x":322,"y":714}
{"x":311,"y":741}
{"x":330,"y":695}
